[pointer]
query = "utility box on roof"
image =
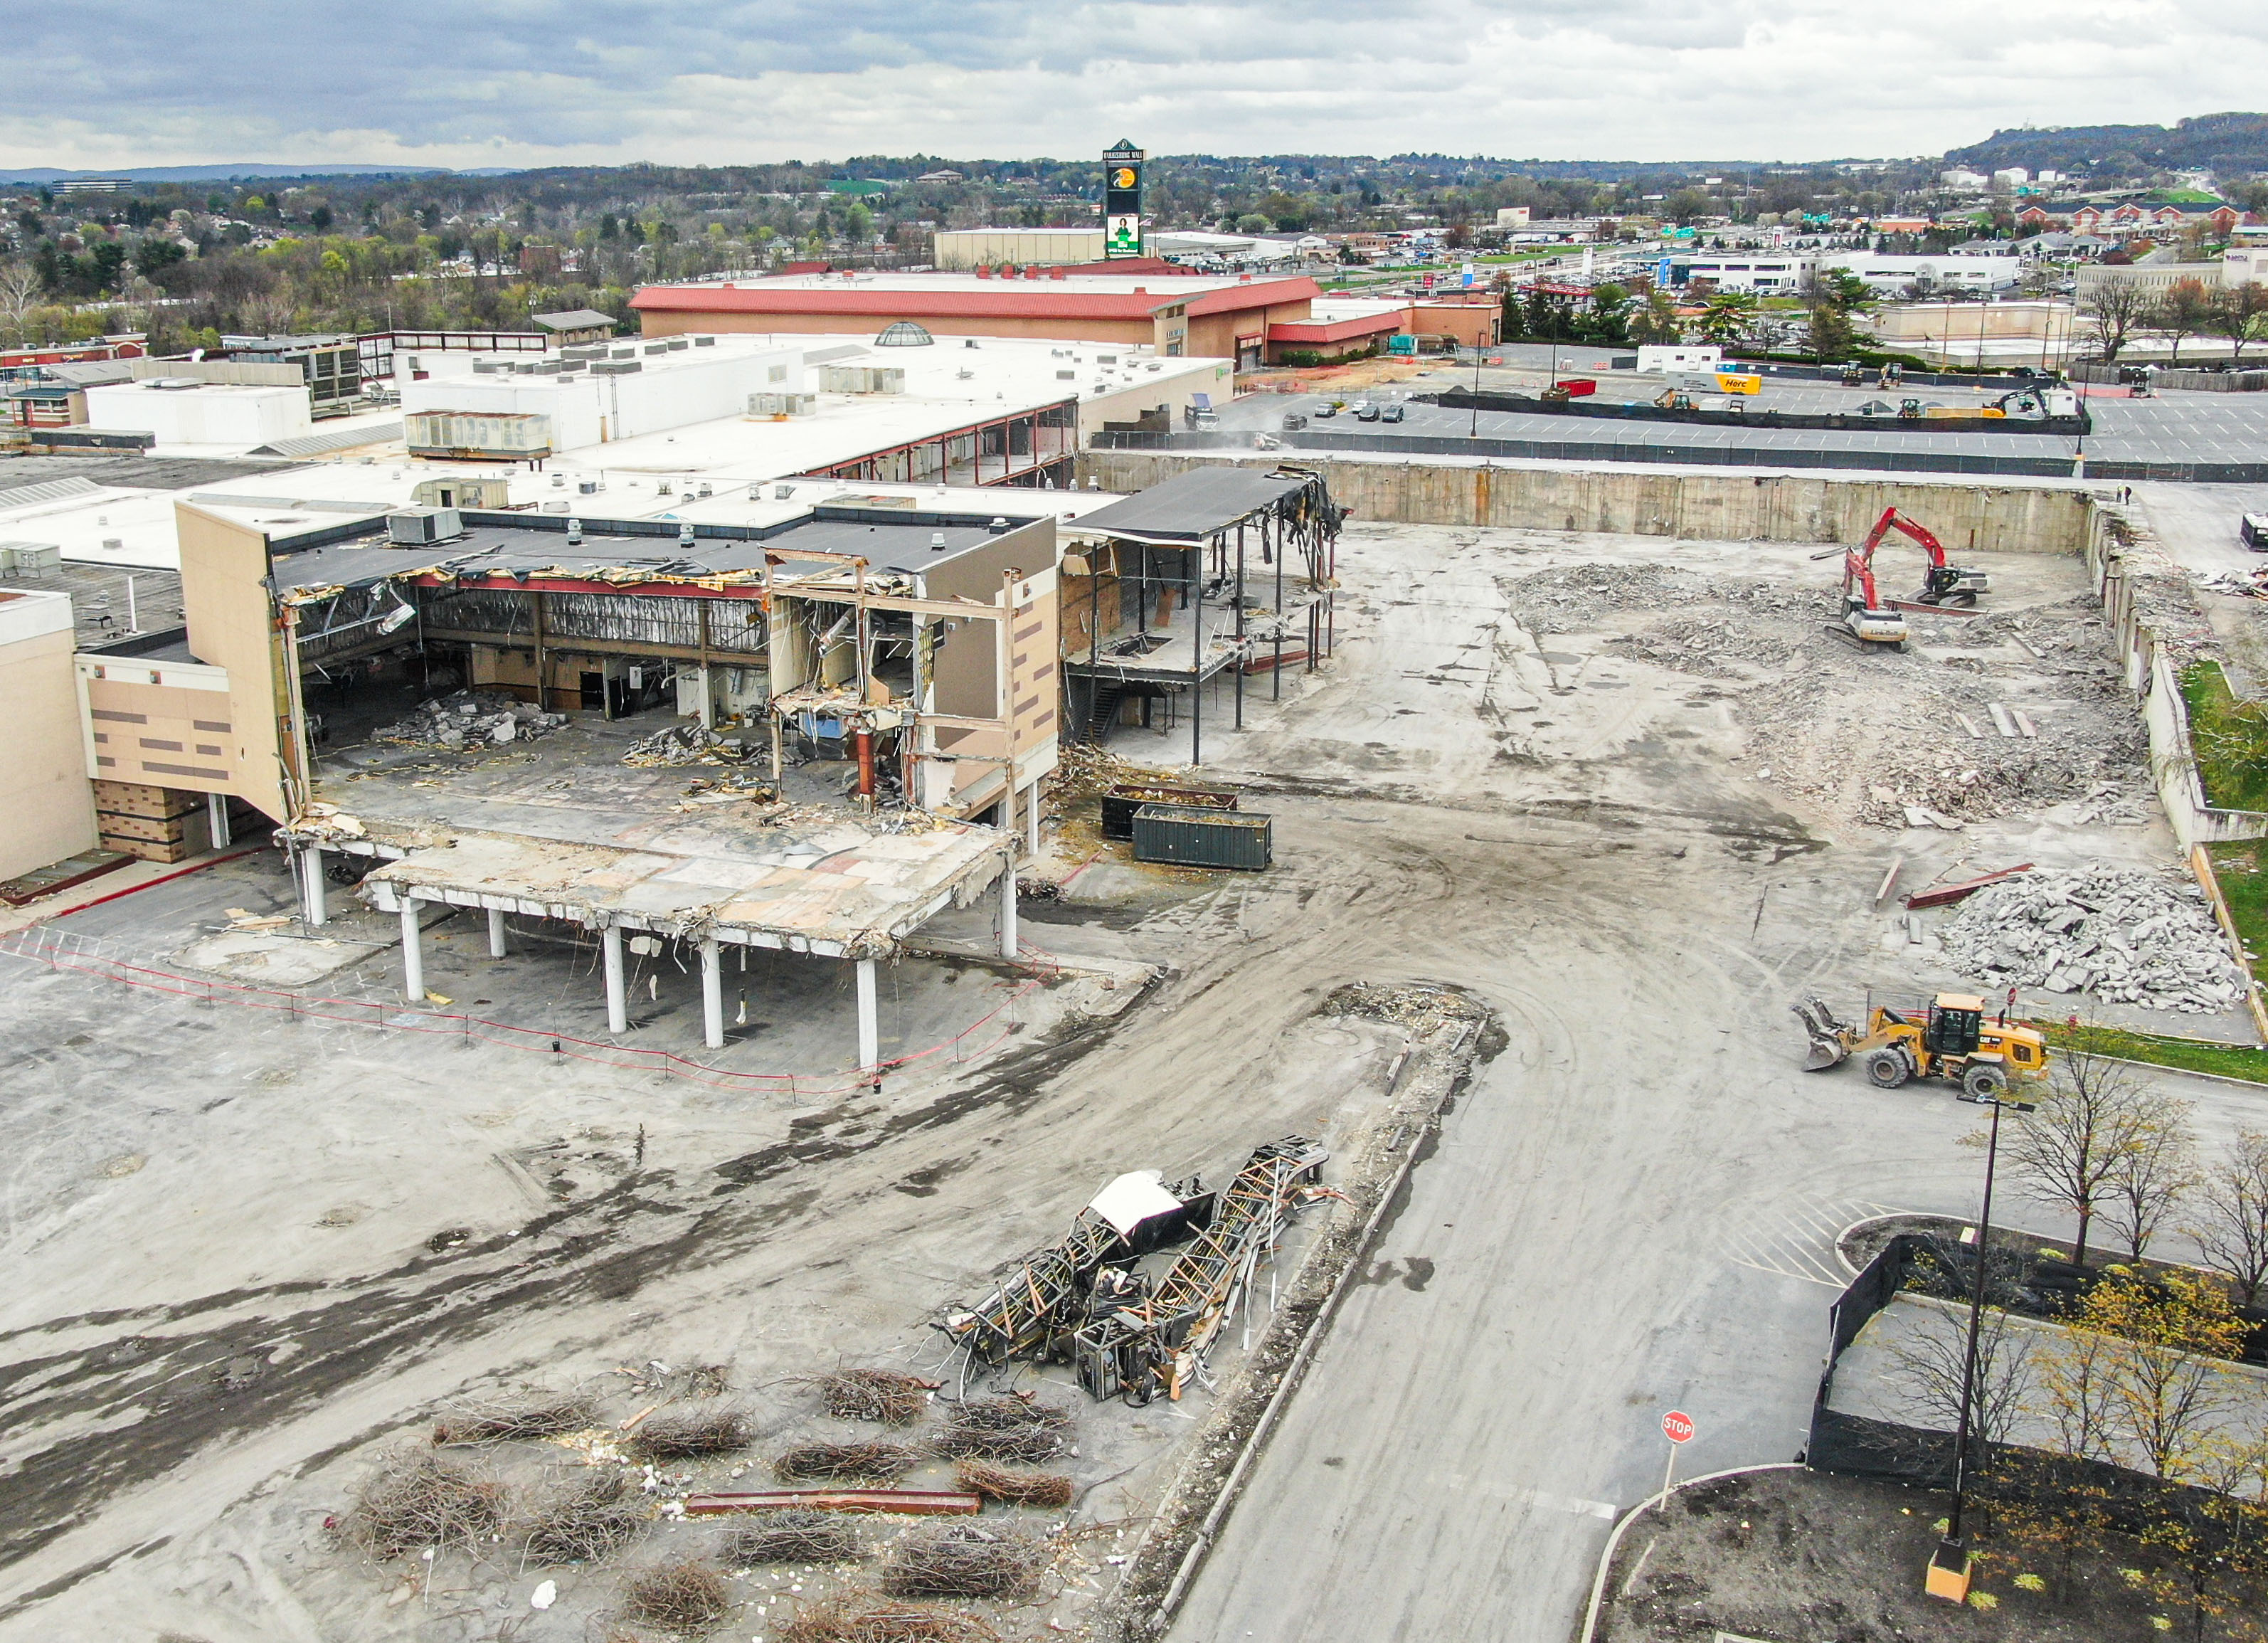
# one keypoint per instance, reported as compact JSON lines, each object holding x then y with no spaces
{"x":1188,"y":835}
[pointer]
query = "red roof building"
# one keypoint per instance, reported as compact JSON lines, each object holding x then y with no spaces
{"x":1215,"y":317}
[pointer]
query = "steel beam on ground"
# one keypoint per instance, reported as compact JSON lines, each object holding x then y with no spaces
{"x":618,"y":1013}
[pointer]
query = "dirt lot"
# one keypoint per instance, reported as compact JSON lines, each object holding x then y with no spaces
{"x":255,"y":1255}
{"x":1785,"y":1557}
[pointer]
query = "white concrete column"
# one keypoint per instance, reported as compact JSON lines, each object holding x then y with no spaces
{"x":496,"y":932}
{"x":712,"y":994}
{"x":1032,"y":819}
{"x":708,"y":698}
{"x":216,"y":808}
{"x":311,"y":871}
{"x":618,"y":1012}
{"x":413,"y":952}
{"x":1009,"y":941}
{"x":870,"y":1022}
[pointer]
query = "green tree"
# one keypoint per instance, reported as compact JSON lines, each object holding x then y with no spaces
{"x":1726,"y":317}
{"x":154,"y":255}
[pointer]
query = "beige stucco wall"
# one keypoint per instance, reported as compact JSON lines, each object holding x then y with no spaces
{"x":46,"y":805}
{"x":231,"y":626}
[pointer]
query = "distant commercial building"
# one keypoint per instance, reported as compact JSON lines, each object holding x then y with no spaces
{"x":1764,"y":274}
{"x":1979,"y":335}
{"x":1222,"y":316}
{"x":184,"y":411}
{"x":1895,"y":275}
{"x":958,"y":250}
{"x":331,"y":365}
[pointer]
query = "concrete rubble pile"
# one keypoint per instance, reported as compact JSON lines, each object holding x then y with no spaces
{"x":2120,"y":934}
{"x":468,"y":718}
{"x":675,"y":744}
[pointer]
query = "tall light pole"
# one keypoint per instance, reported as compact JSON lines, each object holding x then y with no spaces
{"x":1949,"y":1565}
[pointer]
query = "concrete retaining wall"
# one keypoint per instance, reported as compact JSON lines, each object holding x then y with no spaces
{"x":1703,"y":507}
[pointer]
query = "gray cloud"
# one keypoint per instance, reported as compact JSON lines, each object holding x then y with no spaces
{"x":531,"y":81}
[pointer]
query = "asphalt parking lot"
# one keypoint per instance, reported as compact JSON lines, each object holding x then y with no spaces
{"x":2170,"y":428}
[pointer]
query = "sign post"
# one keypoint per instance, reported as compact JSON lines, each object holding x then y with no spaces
{"x":1677,"y":1426}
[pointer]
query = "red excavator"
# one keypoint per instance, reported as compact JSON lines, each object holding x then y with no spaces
{"x":1873,"y":622}
{"x":1945,"y":583}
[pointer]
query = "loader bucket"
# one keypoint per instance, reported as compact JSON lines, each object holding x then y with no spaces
{"x":1824,"y":1032}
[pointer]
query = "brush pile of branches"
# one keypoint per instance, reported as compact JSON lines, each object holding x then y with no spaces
{"x":963,"y":1560}
{"x":422,"y":1499}
{"x":681,"y":1437}
{"x":537,"y":1416}
{"x":1010,"y":1428}
{"x":997,"y":1483}
{"x":883,"y":1394}
{"x":847,"y":1462}
{"x":585,"y":1522}
{"x":687,"y":1595}
{"x":794,"y":1534}
{"x":861,"y":1618}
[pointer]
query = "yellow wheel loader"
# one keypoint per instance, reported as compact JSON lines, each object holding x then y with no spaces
{"x":1952,"y":1038}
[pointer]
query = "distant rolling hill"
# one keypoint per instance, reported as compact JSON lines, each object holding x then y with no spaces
{"x":2227,"y":145}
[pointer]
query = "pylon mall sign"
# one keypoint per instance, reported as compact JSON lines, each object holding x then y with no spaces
{"x":1121,"y":201}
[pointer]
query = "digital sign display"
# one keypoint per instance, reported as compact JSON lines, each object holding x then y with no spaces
{"x":1122,"y":202}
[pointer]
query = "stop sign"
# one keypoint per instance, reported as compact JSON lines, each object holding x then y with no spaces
{"x":1677,"y":1425}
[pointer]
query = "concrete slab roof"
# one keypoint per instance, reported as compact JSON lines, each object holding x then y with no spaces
{"x":835,"y":887}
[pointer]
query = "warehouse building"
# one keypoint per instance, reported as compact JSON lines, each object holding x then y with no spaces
{"x":1223,"y":317}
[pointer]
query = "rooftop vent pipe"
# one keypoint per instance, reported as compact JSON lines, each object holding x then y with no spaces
{"x":685,"y":536}
{"x":574,"y":530}
{"x":937,"y":542}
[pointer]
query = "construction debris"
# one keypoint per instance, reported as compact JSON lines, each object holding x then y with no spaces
{"x":964,"y":1561}
{"x":585,"y":1522}
{"x":675,"y":1437}
{"x":794,"y":1534}
{"x":997,"y":1483}
{"x":536,"y":1416}
{"x":1138,"y":1345}
{"x":686,"y":1595}
{"x":862,"y":1617}
{"x":883,"y":1394}
{"x":422,"y":1500}
{"x":467,"y":719}
{"x":682,"y":744}
{"x":845,"y":1460}
{"x":2119,"y":934}
{"x":1946,"y":895}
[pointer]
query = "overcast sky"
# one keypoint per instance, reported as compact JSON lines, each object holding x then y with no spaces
{"x":105,"y":83}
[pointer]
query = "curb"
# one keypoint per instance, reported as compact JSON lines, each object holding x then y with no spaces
{"x":1607,"y":1557}
{"x":1295,"y":1368}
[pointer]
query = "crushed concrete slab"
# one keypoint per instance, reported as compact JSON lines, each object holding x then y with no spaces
{"x":2119,"y":934}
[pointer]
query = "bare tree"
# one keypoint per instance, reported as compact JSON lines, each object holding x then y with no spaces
{"x":2184,"y":311}
{"x":2230,"y":1203}
{"x":1926,"y":1366}
{"x":2240,"y":313}
{"x":2150,"y":1175}
{"x":2114,"y":310}
{"x":2075,"y":1379}
{"x":2066,"y":1155}
{"x":20,"y":288}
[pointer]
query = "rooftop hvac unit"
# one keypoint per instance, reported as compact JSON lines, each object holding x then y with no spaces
{"x":657,"y":348}
{"x":31,"y":559}
{"x":674,"y":344}
{"x":704,"y":341}
{"x":615,"y":367}
{"x":421,"y":527}
{"x":862,"y":378}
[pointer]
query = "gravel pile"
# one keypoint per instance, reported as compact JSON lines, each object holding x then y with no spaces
{"x":468,"y":718}
{"x":2120,"y":934}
